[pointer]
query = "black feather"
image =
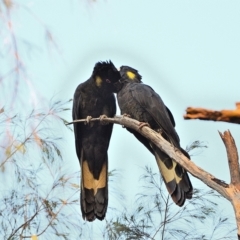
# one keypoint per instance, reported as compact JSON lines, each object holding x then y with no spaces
{"x":142,"y":103}
{"x":93,"y":98}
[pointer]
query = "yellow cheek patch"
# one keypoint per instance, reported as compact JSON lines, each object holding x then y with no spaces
{"x":90,"y":182}
{"x":131,"y":75}
{"x":98,"y":81}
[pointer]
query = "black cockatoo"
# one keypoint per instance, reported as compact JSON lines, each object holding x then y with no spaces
{"x":94,"y":98}
{"x":142,"y":103}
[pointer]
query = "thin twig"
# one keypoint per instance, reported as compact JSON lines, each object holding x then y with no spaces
{"x":29,"y":220}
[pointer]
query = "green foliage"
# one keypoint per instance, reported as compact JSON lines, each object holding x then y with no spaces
{"x":37,"y":196}
{"x":155,"y":216}
{"x":197,"y":145}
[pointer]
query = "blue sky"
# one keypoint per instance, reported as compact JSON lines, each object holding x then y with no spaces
{"x":188,"y":51}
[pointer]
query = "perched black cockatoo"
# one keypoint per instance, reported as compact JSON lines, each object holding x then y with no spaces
{"x":94,"y":98}
{"x":142,"y":103}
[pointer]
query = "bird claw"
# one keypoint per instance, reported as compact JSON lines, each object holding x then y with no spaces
{"x":160,"y":131}
{"x":88,"y":119}
{"x":101,"y":119}
{"x":126,"y":115}
{"x":143,"y":124}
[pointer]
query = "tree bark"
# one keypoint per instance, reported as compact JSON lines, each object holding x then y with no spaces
{"x":230,"y":191}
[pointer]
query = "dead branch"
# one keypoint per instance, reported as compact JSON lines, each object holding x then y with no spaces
{"x":232,"y":116}
{"x":234,"y":173}
{"x":232,"y":157}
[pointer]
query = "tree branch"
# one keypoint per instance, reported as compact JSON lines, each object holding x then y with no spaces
{"x":24,"y":224}
{"x":232,"y":157}
{"x":232,"y":116}
{"x":165,"y":146}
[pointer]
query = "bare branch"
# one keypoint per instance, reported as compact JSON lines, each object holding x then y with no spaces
{"x":232,"y":157}
{"x":85,"y":120}
{"x":174,"y":153}
{"x":232,"y":116}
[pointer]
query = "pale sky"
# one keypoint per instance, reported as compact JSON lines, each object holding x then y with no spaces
{"x":187,"y":51}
